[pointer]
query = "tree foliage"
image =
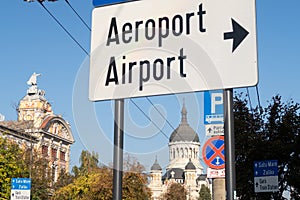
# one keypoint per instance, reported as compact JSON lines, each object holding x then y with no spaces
{"x":88,"y":162}
{"x":16,"y":162}
{"x":95,"y":182}
{"x":40,"y":174}
{"x":131,"y":164}
{"x":267,"y":134}
{"x":11,"y":166}
{"x":204,"y":193}
{"x":96,"y":185}
{"x":64,"y":179}
{"x":175,"y":191}
{"x":135,"y":186}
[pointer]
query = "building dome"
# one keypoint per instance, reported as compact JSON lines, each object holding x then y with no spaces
{"x":184,"y":133}
{"x":190,"y":166}
{"x":156,"y":166}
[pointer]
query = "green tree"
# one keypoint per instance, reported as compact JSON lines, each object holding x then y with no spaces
{"x":95,"y":182}
{"x":247,"y":128}
{"x":131,"y":164}
{"x":135,"y":186}
{"x":11,"y":166}
{"x":64,"y":179}
{"x":88,"y":162}
{"x":96,"y":185}
{"x":41,"y":175}
{"x":175,"y":191}
{"x":204,"y":193}
{"x":264,"y":134}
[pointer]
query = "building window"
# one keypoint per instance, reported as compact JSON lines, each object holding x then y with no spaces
{"x":45,"y":150}
{"x":54,"y":154}
{"x":173,"y":153}
{"x":62,"y":156}
{"x":55,"y":128}
{"x":186,"y":153}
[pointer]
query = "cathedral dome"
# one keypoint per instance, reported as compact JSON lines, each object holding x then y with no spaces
{"x":156,"y":166}
{"x":190,"y":166}
{"x":184,"y":133}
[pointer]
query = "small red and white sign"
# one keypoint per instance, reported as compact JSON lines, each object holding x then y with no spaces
{"x":215,"y":173}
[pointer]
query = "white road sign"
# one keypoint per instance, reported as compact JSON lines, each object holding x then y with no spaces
{"x":154,"y":47}
{"x":214,"y":129}
{"x":266,"y":184}
{"x":215,"y":173}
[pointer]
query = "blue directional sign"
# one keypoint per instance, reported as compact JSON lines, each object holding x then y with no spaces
{"x":21,"y":183}
{"x":213,"y":107}
{"x":265,"y":168}
{"x":213,"y":152}
{"x":20,"y":188}
{"x":266,"y":176}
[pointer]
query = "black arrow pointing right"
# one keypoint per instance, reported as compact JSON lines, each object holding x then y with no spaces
{"x":238,"y":34}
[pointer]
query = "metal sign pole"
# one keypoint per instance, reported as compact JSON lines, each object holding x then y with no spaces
{"x":118,"y":149}
{"x":229,"y":144}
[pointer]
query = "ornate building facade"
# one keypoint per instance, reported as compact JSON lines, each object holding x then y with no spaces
{"x":184,"y":163}
{"x":39,"y":129}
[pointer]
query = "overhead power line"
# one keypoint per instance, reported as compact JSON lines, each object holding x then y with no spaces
{"x":149,"y":118}
{"x":249,"y":99}
{"x":161,"y":114}
{"x":81,"y":19}
{"x":60,"y":24}
{"x":258,"y":99}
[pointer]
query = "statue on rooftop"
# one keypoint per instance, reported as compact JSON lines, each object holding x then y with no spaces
{"x":33,"y":79}
{"x":33,"y":88}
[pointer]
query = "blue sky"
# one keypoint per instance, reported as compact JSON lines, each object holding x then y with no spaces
{"x":31,"y":41}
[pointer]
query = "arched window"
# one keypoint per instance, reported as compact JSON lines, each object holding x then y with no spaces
{"x":186,"y":152}
{"x":174,"y":153}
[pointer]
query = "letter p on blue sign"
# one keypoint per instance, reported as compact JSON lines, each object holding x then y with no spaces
{"x":213,"y":107}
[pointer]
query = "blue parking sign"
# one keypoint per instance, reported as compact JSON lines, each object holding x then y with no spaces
{"x":213,"y":107}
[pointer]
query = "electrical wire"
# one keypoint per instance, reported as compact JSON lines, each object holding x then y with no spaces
{"x":250,"y":104}
{"x":175,"y":130}
{"x":81,"y":19}
{"x":160,"y":113}
{"x":149,"y":118}
{"x":258,"y":98}
{"x":187,"y":145}
{"x":57,"y":21}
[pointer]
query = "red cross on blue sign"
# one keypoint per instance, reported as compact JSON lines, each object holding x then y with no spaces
{"x":213,"y":152}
